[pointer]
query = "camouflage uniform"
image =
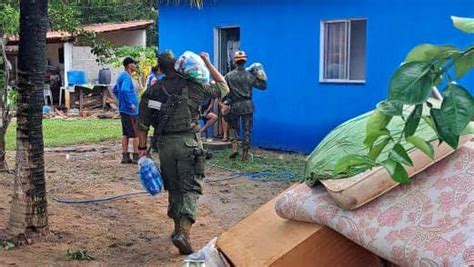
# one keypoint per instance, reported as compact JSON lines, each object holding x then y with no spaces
{"x":180,"y":150}
{"x":241,"y":82}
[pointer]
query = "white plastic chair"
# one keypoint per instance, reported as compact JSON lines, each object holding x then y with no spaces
{"x":47,"y":94}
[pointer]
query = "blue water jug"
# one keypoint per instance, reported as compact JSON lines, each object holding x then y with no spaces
{"x":150,"y":177}
{"x":76,"y":77}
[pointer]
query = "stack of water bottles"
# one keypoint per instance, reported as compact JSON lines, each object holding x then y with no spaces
{"x":258,"y":70}
{"x":150,"y":176}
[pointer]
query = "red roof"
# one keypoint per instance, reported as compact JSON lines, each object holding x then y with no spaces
{"x":55,"y":36}
{"x":112,"y":27}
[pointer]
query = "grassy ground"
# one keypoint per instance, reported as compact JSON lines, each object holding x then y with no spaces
{"x":70,"y":132}
{"x":264,"y":165}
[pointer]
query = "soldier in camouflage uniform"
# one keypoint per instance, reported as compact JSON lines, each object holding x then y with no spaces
{"x":241,"y":82}
{"x":171,"y":106}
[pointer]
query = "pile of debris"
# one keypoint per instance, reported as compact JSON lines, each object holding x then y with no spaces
{"x":94,"y":105}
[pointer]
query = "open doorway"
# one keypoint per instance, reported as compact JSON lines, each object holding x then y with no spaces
{"x":226,"y":43}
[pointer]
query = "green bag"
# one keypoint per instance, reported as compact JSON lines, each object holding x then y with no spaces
{"x":348,"y":138}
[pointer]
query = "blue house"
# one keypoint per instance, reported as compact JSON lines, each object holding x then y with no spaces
{"x":327,"y":60}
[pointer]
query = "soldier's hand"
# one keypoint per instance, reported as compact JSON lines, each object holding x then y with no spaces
{"x":205,"y":56}
{"x":143,"y":153}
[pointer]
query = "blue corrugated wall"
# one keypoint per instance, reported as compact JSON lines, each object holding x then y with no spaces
{"x":297,"y":111}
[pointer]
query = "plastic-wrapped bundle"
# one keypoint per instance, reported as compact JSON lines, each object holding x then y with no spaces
{"x":348,"y":138}
{"x":192,"y":66}
{"x":150,"y":176}
{"x":257,"y":70}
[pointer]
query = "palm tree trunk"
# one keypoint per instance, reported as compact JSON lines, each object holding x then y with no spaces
{"x":4,"y":109}
{"x":29,"y":205}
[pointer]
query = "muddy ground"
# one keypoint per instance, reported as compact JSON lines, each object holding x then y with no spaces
{"x":126,"y":232}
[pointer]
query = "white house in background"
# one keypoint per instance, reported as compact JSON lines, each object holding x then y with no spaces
{"x":64,"y":54}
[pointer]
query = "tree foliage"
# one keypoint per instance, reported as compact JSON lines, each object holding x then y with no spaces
{"x":9,"y":19}
{"x":146,"y":58}
{"x":426,"y":66}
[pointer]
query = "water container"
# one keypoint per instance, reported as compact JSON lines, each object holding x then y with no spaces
{"x":46,"y":109}
{"x":105,"y":76}
{"x":150,"y":177}
{"x":76,"y":77}
{"x":257,"y":70}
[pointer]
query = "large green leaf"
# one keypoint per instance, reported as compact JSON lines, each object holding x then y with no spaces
{"x":464,"y":63}
{"x":464,"y":24}
{"x":351,"y":162}
{"x":445,"y":132}
{"x":376,"y":127}
{"x":413,"y":120}
{"x":400,"y":155}
{"x":390,"y":108}
{"x":378,"y":121}
{"x":422,"y":145}
{"x":374,"y":135}
{"x":429,"y":52}
{"x":411,"y":83}
{"x":377,"y":148}
{"x":396,"y":171}
{"x":457,"y":107}
{"x":429,"y":120}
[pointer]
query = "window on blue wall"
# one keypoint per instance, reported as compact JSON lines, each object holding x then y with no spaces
{"x":342,"y":50}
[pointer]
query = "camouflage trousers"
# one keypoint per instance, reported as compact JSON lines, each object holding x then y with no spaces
{"x":234,"y":128}
{"x":182,"y":169}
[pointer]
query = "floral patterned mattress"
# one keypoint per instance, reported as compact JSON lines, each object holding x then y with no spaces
{"x":427,"y":223}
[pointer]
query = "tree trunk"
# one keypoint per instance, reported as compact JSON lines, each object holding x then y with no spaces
{"x":4,"y":109}
{"x":29,"y":206}
{"x":3,"y":82}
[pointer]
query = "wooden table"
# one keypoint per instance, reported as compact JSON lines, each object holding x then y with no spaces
{"x":80,"y":89}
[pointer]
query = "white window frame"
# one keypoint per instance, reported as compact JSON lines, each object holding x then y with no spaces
{"x":347,"y":48}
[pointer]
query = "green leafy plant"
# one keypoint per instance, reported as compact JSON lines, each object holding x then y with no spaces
{"x":12,"y":97}
{"x":85,"y":38}
{"x":7,"y":245}
{"x":9,"y":19}
{"x":146,"y":57}
{"x":425,"y":67}
{"x":63,"y":17}
{"x":103,"y":51}
{"x":79,"y":255}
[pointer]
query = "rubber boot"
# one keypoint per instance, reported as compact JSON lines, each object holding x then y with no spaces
{"x":235,"y":150}
{"x":126,"y":158}
{"x":176,"y":228}
{"x":135,"y":158}
{"x":245,"y":154}
{"x":181,"y":239}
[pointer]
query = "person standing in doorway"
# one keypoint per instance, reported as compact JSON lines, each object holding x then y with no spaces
{"x":240,"y":83}
{"x":126,"y":94}
{"x":208,"y":115}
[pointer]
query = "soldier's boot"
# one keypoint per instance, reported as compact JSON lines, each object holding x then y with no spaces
{"x":245,"y":154}
{"x":135,"y":158}
{"x":176,"y":229}
{"x":181,"y":239}
{"x":235,"y":150}
{"x":126,"y":158}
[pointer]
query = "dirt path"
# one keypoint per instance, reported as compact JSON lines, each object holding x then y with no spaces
{"x":125,"y":232}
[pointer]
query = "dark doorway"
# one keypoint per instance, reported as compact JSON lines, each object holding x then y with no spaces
{"x":227,"y":42}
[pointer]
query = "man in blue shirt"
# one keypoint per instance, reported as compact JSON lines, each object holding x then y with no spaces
{"x":152,"y":77}
{"x":126,"y":94}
